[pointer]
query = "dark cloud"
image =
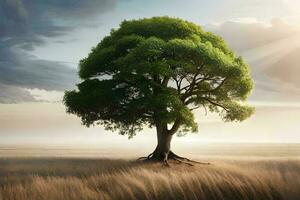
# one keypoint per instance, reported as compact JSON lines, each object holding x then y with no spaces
{"x":12,"y":94}
{"x":68,"y":9}
{"x":27,"y":20}
{"x":29,"y":72}
{"x":23,"y":25}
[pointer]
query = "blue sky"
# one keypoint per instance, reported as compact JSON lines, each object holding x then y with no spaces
{"x":41,"y":43}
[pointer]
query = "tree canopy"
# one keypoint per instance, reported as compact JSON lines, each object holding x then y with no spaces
{"x":156,"y":71}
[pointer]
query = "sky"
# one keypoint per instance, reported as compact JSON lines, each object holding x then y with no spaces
{"x":41,"y":43}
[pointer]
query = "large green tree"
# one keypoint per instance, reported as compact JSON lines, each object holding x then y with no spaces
{"x":155,"y":72}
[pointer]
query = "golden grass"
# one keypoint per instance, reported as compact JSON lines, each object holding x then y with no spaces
{"x":63,"y":179}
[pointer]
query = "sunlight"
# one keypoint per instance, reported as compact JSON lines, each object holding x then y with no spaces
{"x":149,"y":100}
{"x":271,"y":53}
{"x":294,"y":6}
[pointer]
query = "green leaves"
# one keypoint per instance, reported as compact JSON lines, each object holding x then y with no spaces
{"x":99,"y":62}
{"x":165,"y":28}
{"x":236,"y":111}
{"x":158,"y":70}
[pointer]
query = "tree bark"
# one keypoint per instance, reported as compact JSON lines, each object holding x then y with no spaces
{"x":163,"y":147}
{"x":163,"y":151}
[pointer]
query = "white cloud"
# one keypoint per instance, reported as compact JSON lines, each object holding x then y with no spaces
{"x":44,"y":95}
{"x":245,"y":20}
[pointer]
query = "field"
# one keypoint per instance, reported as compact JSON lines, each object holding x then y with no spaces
{"x":232,"y":177}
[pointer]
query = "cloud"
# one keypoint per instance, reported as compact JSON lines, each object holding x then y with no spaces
{"x":24,"y":22}
{"x":12,"y":94}
{"x":243,"y":34}
{"x":287,"y":69}
{"x":46,"y":96}
{"x":24,"y":25}
{"x":20,"y":69}
{"x":273,"y":52}
{"x":271,"y":49}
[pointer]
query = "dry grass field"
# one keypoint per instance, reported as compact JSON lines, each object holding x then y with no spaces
{"x":78,"y":178}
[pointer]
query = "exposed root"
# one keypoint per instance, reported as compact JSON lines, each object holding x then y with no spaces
{"x":173,"y":155}
{"x":150,"y":156}
{"x":170,"y":156}
{"x":146,"y":158}
{"x":141,"y":158}
{"x":166,"y":160}
{"x":181,"y":161}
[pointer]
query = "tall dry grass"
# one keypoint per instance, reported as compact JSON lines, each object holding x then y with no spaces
{"x":63,"y":179}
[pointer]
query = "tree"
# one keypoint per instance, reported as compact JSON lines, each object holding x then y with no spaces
{"x":154,"y":72}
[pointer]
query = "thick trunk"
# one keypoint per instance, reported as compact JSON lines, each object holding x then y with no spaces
{"x":163,"y":147}
{"x":163,"y":151}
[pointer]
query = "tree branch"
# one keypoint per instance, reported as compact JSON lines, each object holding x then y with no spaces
{"x":191,"y":109}
{"x":179,"y":82}
{"x":216,"y":104}
{"x":218,"y":87}
{"x":175,"y":126}
{"x":194,"y":81}
{"x":181,"y":79}
{"x":191,"y":93}
{"x":165,"y":81}
{"x":177,"y":85}
{"x":205,"y":109}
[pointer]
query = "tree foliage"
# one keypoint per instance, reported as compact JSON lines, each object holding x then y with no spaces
{"x":156,"y":71}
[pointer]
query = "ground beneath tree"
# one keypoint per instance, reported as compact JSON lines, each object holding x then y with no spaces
{"x":234,"y":179}
{"x":171,"y":156}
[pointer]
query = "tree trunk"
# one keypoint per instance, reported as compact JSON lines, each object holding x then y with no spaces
{"x":163,"y":147}
{"x":163,"y":151}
